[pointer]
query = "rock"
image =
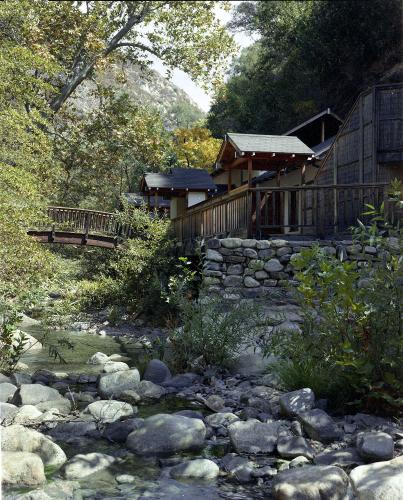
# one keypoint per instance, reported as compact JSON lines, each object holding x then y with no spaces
{"x":115,"y":366}
{"x":7,"y":412}
{"x":311,"y":483}
{"x":21,"y":468}
{"x":112,"y":384}
{"x":33,"y":394}
{"x":117,"y":432}
{"x":77,"y":428}
{"x":99,"y":358}
{"x":319,"y":425}
{"x":342,"y":458}
{"x":235,"y":269}
{"x":119,"y":357}
{"x":5,"y":379}
{"x":215,"y":403}
{"x":7,"y":391}
{"x":214,"y":255}
{"x":200,"y":468}
{"x":18,"y":378}
{"x":292,"y":447}
{"x":190,"y":414}
{"x":232,"y":281}
{"x":26,"y":414}
{"x":249,"y":243}
{"x":273,"y":265}
{"x":298,"y":462}
{"x":163,"y":433}
{"x":63,"y":405}
{"x":253,"y":436}
{"x":149,"y":390}
{"x":84,"y":465}
{"x":30,"y":342}
{"x":249,"y":252}
{"x":44,"y":376}
{"x":379,"y":481}
{"x":181,"y":381}
{"x":19,"y":438}
{"x":125,"y":479}
{"x":278,"y":243}
{"x":130,"y":396}
{"x":157,"y":372}
{"x":250,"y":282}
{"x":375,"y":446}
{"x":238,"y":467}
{"x":294,"y":402}
{"x":221,"y":419}
{"x":231,"y":243}
{"x":109,"y":410}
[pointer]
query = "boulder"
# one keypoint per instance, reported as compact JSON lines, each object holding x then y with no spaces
{"x":215,"y":403}
{"x":130,"y":396}
{"x":7,"y":412}
{"x":19,"y":438}
{"x":342,"y":458}
{"x":112,"y":384}
{"x":21,"y":468}
{"x":163,"y":433}
{"x":294,"y":446}
{"x":63,"y":405}
{"x":375,"y":446}
{"x":7,"y":392}
{"x":238,"y":467}
{"x":311,"y":483}
{"x":157,"y":372}
{"x":4,"y":378}
{"x":200,"y":468}
{"x":253,"y":436}
{"x":149,"y":390}
{"x":77,"y":428}
{"x":109,"y":410}
{"x":117,"y":432}
{"x":19,"y":378}
{"x":26,"y":415}
{"x":295,"y":402}
{"x":119,"y":357}
{"x":33,"y":394}
{"x":99,"y":358}
{"x":84,"y":465}
{"x":379,"y":481}
{"x":221,"y":419}
{"x":115,"y":366}
{"x":319,"y":425}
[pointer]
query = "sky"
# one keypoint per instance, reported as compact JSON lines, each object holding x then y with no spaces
{"x":183,"y":81}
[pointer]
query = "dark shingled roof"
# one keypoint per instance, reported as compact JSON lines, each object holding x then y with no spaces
{"x":193,"y":179}
{"x":257,"y":143}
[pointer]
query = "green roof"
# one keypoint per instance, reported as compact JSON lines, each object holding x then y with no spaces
{"x":256,"y":143}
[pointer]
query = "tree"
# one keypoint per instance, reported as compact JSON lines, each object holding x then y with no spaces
{"x":84,"y":36}
{"x":104,"y":153}
{"x":195,"y":147}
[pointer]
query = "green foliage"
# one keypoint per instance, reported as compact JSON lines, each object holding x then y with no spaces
{"x":310,"y":55}
{"x":213,"y":331}
{"x":11,"y":347}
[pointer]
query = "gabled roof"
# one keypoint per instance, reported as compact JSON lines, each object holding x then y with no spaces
{"x":192,"y":179}
{"x":324,"y":146}
{"x":257,"y":143}
{"x":326,"y":113}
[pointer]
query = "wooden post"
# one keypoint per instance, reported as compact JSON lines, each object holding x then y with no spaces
{"x":250,"y":172}
{"x":302,"y":195}
{"x":229,"y":180}
{"x":258,"y":213}
{"x":86,"y":228}
{"x":156,"y":200}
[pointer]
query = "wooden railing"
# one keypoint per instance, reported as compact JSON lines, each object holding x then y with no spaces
{"x":260,"y":212}
{"x":87,"y":221}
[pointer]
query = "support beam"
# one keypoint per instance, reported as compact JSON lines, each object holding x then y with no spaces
{"x":250,"y":172}
{"x":229,"y":180}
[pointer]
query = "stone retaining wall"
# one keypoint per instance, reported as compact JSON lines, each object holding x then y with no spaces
{"x":236,"y":268}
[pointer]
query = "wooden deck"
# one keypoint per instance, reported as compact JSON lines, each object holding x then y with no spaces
{"x":75,"y":226}
{"x":312,"y":210}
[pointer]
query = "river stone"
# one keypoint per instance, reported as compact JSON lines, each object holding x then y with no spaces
{"x":239,"y":467}
{"x":130,"y":396}
{"x":19,"y":378}
{"x":190,"y":414}
{"x":115,"y":366}
{"x":221,"y":419}
{"x":117,"y":432}
{"x":215,"y":403}
{"x":342,"y":458}
{"x":214,"y":255}
{"x":33,"y":394}
{"x":4,"y":378}
{"x":19,"y":438}
{"x":231,"y":243}
{"x":112,"y":384}
{"x":7,"y":412}
{"x":379,"y":481}
{"x":319,"y":425}
{"x":77,"y":428}
{"x":294,"y":446}
{"x":253,"y":436}
{"x":375,"y":446}
{"x":164,"y":433}
{"x":109,"y":410}
{"x":119,"y":357}
{"x":157,"y":372}
{"x":84,"y":465}
{"x":99,"y":358}
{"x":294,"y":402}
{"x":181,"y":381}
{"x":30,"y":342}
{"x":273,"y":265}
{"x":311,"y":483}
{"x":21,"y":468}
{"x":26,"y":414}
{"x":7,"y":391}
{"x":63,"y":405}
{"x":149,"y":390}
{"x":200,"y":468}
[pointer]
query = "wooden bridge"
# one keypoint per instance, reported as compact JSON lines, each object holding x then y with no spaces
{"x":76,"y":226}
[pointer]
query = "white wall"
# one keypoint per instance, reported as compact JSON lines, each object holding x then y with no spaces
{"x":195,"y":197}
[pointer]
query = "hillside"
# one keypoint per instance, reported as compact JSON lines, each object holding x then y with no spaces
{"x":146,"y":87}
